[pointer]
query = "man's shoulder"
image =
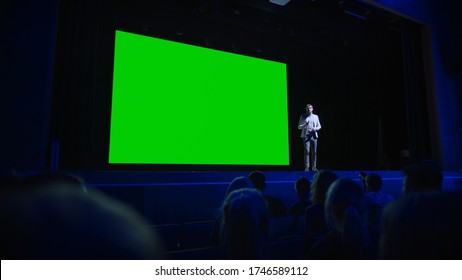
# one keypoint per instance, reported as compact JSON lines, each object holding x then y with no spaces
{"x":312,"y":116}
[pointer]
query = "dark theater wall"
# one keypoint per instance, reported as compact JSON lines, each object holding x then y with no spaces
{"x":27,"y":55}
{"x":55,"y":79}
{"x":351,"y":70}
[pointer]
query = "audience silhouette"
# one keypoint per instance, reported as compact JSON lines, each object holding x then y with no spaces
{"x":50,"y":217}
{"x":302,"y":188}
{"x":276,"y":207}
{"x":375,"y":200}
{"x":236,"y":184}
{"x":245,"y":225}
{"x":51,"y":179}
{"x":425,"y":176}
{"x":348,"y":237}
{"x":315,"y":221}
{"x":424,"y":225}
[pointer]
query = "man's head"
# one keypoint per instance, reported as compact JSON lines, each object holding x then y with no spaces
{"x":309,"y":108}
{"x":258,"y":179}
{"x":373,"y":182}
{"x":302,"y":187}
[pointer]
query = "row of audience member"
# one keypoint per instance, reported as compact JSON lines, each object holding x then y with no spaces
{"x":344,"y":220}
{"x":53,"y":216}
{"x":425,"y":223}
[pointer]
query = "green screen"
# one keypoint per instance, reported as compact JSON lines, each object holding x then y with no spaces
{"x":174,"y":103}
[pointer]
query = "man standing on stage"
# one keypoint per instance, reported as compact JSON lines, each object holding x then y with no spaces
{"x":309,"y":124}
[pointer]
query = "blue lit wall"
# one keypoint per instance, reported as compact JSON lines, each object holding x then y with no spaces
{"x":445,"y":25}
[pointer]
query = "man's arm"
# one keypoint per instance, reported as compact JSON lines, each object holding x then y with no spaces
{"x":302,"y":123}
{"x":317,"y":124}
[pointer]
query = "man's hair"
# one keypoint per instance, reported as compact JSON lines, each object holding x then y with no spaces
{"x":373,"y":182}
{"x":321,"y":183}
{"x":302,"y":186}
{"x":258,"y":179}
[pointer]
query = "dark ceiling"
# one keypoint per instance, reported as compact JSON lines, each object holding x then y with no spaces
{"x":248,"y":26}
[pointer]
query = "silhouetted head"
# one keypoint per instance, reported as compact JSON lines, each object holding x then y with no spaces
{"x":302,"y":187}
{"x":238,"y":183}
{"x":258,"y":179}
{"x":245,"y":224}
{"x":423,"y":225}
{"x":373,"y":182}
{"x":343,"y":193}
{"x":64,"y":223}
{"x":321,"y":182}
{"x":44,"y":180}
{"x":426,"y":176}
{"x":344,"y":207}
